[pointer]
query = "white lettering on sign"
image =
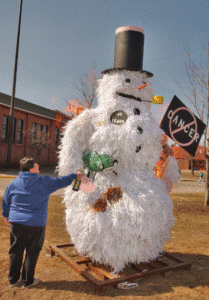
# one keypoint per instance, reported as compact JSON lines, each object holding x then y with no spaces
{"x":170,"y":113}
{"x":175,"y":120}
{"x":185,"y":128}
{"x":181,"y":123}
{"x":191,"y":132}
{"x":118,"y":121}
{"x":186,"y":131}
{"x":197,"y":137}
{"x":118,"y":117}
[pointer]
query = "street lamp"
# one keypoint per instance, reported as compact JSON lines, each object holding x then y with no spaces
{"x":11,"y":117}
{"x":207,"y":155}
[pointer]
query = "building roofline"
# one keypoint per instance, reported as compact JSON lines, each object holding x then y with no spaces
{"x":23,"y":110}
{"x":32,"y":108}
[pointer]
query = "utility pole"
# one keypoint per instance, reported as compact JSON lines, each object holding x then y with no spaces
{"x":11,"y":117}
{"x":207,"y":152}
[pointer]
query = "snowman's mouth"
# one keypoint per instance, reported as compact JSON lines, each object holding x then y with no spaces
{"x":131,"y":97}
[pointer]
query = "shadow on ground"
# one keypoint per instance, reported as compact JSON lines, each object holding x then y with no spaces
{"x":155,"y":285}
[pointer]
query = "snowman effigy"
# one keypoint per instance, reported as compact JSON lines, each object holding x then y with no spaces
{"x":127,"y":218}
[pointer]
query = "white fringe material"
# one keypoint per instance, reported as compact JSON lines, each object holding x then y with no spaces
{"x":135,"y":228}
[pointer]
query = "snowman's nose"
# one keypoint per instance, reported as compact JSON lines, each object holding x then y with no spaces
{"x":142,"y":86}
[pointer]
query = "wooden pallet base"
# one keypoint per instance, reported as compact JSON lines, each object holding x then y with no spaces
{"x":101,"y":276}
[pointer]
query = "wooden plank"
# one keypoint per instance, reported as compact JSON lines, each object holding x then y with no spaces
{"x":162,"y":263}
{"x":64,"y":245}
{"x":142,"y":267}
{"x":137,"y":267}
{"x":145,"y":266}
{"x":101,"y":272}
{"x":83,"y":260}
{"x":66,"y":258}
{"x":52,"y":253}
{"x":157,"y":264}
{"x":172,"y":257}
{"x":82,"y":271}
{"x":83,"y":265}
{"x":142,"y":275}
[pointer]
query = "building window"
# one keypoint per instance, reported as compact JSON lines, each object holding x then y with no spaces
{"x":34,"y":132}
{"x":45,"y":133}
{"x":14,"y":129}
{"x":57,"y":135}
{"x":5,"y":128}
{"x":19,"y":131}
{"x":39,"y":137}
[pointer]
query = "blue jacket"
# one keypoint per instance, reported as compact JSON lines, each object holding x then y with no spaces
{"x":26,"y":198}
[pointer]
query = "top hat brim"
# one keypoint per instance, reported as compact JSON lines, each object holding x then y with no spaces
{"x":149,"y":74}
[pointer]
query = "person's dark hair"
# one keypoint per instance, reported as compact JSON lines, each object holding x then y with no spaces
{"x":27,"y":163}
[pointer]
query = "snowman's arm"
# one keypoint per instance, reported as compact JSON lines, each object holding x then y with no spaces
{"x":172,"y":173}
{"x":75,"y":140}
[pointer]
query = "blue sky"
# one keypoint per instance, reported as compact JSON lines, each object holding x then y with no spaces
{"x":61,"y":40}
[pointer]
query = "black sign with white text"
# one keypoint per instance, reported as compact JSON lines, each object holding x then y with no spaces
{"x":119,"y":117}
{"x":182,"y":126}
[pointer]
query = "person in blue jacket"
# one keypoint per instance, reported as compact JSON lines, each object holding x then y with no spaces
{"x":25,"y":207}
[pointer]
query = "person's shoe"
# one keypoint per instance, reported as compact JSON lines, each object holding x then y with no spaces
{"x":35,"y":281}
{"x":15,"y":284}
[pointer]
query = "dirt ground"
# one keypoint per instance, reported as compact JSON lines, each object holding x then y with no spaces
{"x":188,"y":241}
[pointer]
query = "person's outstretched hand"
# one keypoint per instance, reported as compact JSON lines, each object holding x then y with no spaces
{"x":81,"y":175}
{"x":87,"y":186}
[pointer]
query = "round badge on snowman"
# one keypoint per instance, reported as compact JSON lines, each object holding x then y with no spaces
{"x":119,"y":117}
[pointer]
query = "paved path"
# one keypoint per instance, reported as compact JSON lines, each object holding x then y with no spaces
{"x":189,"y":186}
{"x":183,"y":185}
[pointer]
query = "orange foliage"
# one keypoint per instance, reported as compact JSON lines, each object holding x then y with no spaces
{"x":167,"y":151}
{"x":75,"y":107}
{"x":58,"y":120}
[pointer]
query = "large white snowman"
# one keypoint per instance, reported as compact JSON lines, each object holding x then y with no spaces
{"x":127,"y":219}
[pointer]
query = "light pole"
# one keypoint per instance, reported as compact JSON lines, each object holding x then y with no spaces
{"x":207,"y":155}
{"x":11,"y":117}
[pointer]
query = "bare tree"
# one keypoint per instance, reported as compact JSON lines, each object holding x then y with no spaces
{"x":197,"y":92}
{"x":85,"y":89}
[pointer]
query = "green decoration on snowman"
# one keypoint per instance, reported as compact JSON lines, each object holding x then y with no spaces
{"x":95,"y":162}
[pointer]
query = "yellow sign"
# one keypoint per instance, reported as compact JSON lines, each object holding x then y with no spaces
{"x":157,"y":99}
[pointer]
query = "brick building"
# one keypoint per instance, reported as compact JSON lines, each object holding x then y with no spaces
{"x":36,"y":131}
{"x":186,"y":161}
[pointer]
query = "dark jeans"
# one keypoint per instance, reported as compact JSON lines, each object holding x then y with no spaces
{"x":22,"y":238}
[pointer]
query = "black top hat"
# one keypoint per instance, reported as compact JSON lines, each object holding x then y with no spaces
{"x":129,"y":46}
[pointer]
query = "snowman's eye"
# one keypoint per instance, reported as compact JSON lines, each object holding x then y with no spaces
{"x":128,"y":80}
{"x":144,"y":82}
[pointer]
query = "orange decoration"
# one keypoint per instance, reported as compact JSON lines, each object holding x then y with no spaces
{"x":142,"y":86}
{"x":74,"y":107}
{"x":58,"y":120}
{"x":100,"y":205}
{"x":112,"y":195}
{"x":162,"y":164}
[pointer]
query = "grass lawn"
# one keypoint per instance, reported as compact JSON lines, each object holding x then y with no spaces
{"x":188,"y":241}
